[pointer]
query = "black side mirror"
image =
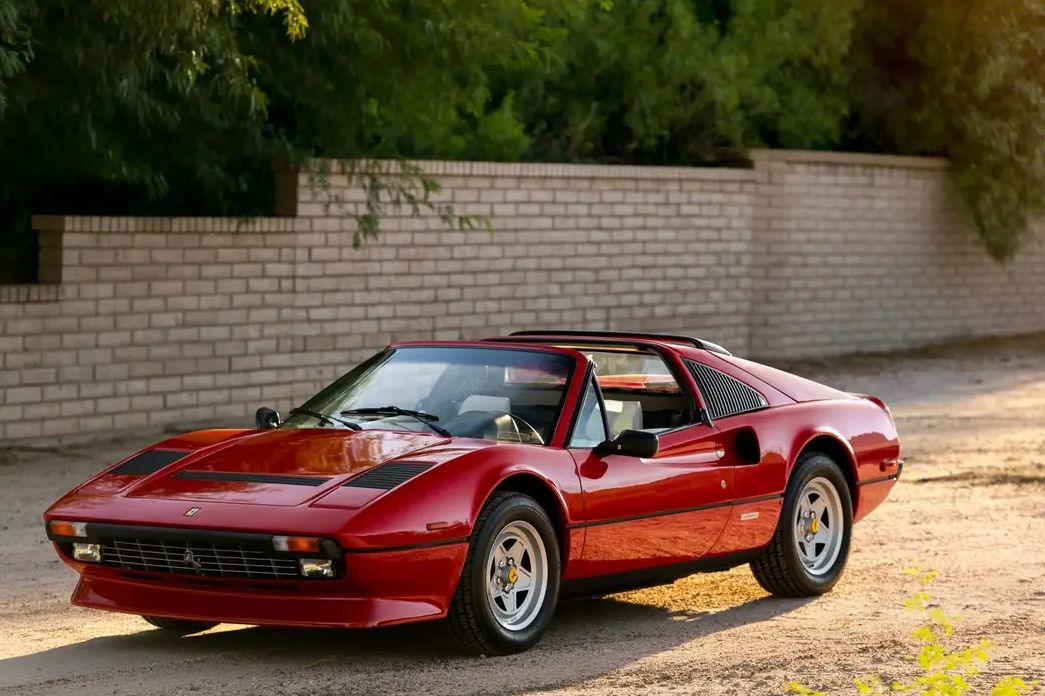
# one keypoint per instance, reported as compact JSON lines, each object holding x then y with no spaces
{"x":266,"y":418}
{"x":631,"y":443}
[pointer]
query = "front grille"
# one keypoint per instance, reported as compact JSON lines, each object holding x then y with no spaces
{"x":211,"y":560}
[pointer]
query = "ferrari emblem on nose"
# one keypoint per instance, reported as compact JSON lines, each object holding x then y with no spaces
{"x":191,"y":512}
{"x":190,"y":560}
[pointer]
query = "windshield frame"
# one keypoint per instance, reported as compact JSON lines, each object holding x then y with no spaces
{"x":568,"y":402}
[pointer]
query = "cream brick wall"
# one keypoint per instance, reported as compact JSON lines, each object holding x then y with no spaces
{"x":861,"y":253}
{"x":147,"y":322}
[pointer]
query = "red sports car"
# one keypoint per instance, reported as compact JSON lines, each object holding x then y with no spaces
{"x":479,"y":482}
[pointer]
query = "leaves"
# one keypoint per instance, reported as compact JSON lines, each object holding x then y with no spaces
{"x":942,"y":671}
{"x":964,"y":79}
{"x":184,"y":108}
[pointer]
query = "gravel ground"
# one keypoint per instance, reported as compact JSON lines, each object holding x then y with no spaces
{"x":971,"y":505}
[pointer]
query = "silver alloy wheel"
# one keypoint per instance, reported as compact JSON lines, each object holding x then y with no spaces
{"x":516,"y":575}
{"x":819,"y":526}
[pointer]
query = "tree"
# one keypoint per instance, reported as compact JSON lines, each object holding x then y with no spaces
{"x":687,"y":81}
{"x":964,"y":79}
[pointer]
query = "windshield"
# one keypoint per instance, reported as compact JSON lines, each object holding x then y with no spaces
{"x":490,"y":393}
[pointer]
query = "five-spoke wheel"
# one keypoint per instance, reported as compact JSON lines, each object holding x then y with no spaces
{"x":517,"y":575}
{"x":510,"y":581}
{"x":818,"y":526}
{"x":809,"y":549}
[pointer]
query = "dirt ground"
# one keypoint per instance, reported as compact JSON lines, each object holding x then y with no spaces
{"x":971,"y":505}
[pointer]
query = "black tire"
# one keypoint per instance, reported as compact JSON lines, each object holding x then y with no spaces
{"x":779,"y":570}
{"x":470,"y":621}
{"x":180,"y":627}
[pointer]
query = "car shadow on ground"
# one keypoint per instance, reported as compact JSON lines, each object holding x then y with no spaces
{"x":587,"y":639}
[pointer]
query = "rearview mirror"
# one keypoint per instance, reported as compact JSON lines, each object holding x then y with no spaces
{"x":631,"y":443}
{"x":266,"y":418}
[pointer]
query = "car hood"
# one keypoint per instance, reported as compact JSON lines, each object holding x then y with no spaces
{"x":271,"y":467}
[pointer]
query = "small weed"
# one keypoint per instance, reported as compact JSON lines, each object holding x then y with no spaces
{"x":942,"y":670}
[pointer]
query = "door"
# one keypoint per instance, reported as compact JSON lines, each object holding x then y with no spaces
{"x":642,"y":513}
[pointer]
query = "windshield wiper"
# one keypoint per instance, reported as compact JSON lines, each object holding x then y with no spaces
{"x":324,"y":419}
{"x":426,"y":418}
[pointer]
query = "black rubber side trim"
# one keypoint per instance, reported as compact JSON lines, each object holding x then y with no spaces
{"x":658,"y":575}
{"x":410,"y":547}
{"x":385,"y":477}
{"x":252,"y":478}
{"x":149,"y":462}
{"x":878,"y":479}
{"x":677,"y":511}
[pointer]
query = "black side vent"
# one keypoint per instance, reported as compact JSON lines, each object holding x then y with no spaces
{"x":247,"y":477}
{"x":149,"y":462}
{"x":723,"y":395}
{"x":387,"y":476}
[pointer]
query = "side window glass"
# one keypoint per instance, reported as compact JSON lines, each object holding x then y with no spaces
{"x":589,"y":429}
{"x":640,"y":392}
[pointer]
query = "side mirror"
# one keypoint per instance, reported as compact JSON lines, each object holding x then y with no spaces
{"x":266,"y":418}
{"x":631,"y":443}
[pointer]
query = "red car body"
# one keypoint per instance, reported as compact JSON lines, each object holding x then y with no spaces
{"x":708,"y":500}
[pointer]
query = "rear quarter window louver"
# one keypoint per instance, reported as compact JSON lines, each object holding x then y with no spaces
{"x":149,"y":462}
{"x":387,"y":476}
{"x":723,"y":395}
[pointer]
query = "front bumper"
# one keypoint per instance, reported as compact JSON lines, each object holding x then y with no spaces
{"x":378,"y":589}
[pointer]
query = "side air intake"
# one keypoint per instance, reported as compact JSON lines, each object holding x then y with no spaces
{"x":149,"y":462}
{"x":385,"y":477}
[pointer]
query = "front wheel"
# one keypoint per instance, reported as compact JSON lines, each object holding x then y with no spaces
{"x":811,"y":544}
{"x":510,"y":581}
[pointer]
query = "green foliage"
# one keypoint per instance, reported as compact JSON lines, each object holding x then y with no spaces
{"x":942,"y":670}
{"x":964,"y":79}
{"x":678,"y":81}
{"x":183,"y":107}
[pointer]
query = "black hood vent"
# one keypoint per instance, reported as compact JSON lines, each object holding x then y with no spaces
{"x":149,"y":462}
{"x":248,"y":477}
{"x":385,"y":477}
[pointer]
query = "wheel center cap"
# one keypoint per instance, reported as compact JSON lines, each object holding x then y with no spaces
{"x":814,"y":525}
{"x":513,"y":576}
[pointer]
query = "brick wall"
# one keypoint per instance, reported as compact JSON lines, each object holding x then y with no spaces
{"x":147,"y":322}
{"x":861,"y":253}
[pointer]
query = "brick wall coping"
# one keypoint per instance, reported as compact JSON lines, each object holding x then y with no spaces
{"x":12,"y":294}
{"x":849,"y":158}
{"x":195,"y":225}
{"x":548,"y":170}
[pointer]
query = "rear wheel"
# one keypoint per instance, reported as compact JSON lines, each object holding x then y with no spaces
{"x":810,"y":547}
{"x":510,"y":581}
{"x":181,"y":627}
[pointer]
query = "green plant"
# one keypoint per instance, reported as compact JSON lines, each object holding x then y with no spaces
{"x":942,"y":670}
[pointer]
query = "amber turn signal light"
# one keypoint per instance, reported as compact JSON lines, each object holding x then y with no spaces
{"x":296,"y":544}
{"x":62,"y":528}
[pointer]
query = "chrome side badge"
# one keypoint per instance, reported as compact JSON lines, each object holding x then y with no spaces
{"x":191,"y":512}
{"x":748,"y":516}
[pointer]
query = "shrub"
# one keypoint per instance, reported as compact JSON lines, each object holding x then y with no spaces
{"x":943,"y":670}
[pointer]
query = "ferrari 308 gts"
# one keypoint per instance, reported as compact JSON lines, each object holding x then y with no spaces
{"x":481,"y":481}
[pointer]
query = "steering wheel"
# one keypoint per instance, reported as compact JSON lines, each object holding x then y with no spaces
{"x":533,"y":437}
{"x":483,"y":424}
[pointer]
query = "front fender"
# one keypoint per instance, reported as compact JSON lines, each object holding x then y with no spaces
{"x":440,"y":506}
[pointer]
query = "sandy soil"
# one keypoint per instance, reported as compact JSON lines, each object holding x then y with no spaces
{"x":972,"y":505}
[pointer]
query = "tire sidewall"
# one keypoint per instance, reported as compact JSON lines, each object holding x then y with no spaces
{"x":815,"y":465}
{"x":524,"y":508}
